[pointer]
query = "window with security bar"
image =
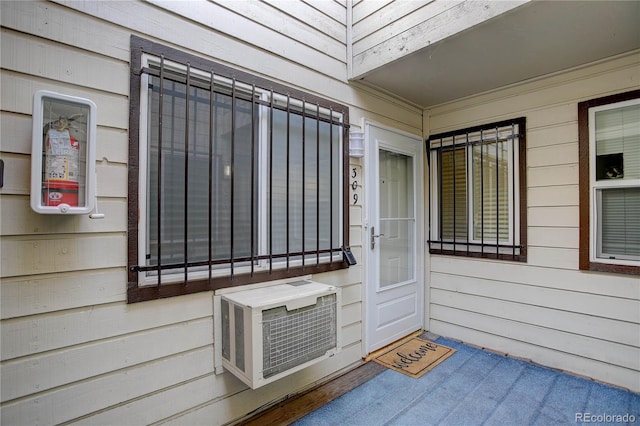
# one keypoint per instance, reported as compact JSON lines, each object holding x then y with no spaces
{"x":477,"y":191}
{"x":234,"y":179}
{"x":609,"y":143}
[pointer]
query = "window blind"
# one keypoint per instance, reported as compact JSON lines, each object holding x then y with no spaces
{"x":620,"y":222}
{"x":454,"y":195}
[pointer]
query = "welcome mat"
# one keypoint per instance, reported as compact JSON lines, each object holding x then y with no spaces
{"x":413,"y":357}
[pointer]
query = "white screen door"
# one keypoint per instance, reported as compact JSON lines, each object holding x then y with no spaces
{"x":394,"y":236}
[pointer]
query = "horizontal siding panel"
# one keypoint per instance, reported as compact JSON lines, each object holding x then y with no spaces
{"x":571,"y":363}
{"x":393,"y":18}
{"x":351,"y":314}
{"x":553,"y":196}
{"x":297,"y":27}
{"x":51,"y":21}
{"x":319,"y":37}
{"x":203,"y":42}
{"x":614,"y":286}
{"x":553,"y":237}
{"x":29,"y":222}
{"x":613,"y":353}
{"x":405,"y":121}
{"x":79,"y":399}
{"x":559,"y":216}
{"x":336,"y":9}
{"x":355,"y":216}
{"x":58,"y":253}
{"x":351,"y":294}
{"x":552,"y":175}
{"x":546,"y":101}
{"x":616,"y":332}
{"x":40,"y":57}
{"x":17,"y":96}
{"x":158,"y":406}
{"x":57,"y":368}
{"x":599,"y":306}
{"x":24,"y":296}
{"x":222,"y":411}
{"x":144,"y":18}
{"x":17,"y":174}
{"x":233,"y":25}
{"x":315,"y":17}
{"x":16,"y":130}
{"x":538,"y":117}
{"x":554,"y":134}
{"x":363,"y":9}
{"x":355,"y":235}
{"x":553,"y":155}
{"x":42,"y":333}
{"x":111,"y":177}
{"x":562,"y":258}
{"x":351,"y":334}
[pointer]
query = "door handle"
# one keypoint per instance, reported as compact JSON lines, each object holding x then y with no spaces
{"x":374,"y":236}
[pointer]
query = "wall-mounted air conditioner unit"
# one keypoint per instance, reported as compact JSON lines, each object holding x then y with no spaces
{"x":271,"y":332}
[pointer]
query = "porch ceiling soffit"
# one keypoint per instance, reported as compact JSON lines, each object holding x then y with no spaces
{"x":532,"y":40}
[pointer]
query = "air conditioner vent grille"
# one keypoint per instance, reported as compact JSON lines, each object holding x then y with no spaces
{"x":291,"y":338}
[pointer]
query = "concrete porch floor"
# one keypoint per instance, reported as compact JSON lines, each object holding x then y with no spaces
{"x":475,"y":387}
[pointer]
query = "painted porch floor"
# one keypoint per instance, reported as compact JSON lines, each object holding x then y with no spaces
{"x":474,"y":387}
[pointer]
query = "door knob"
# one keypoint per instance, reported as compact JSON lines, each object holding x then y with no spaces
{"x":374,"y":236}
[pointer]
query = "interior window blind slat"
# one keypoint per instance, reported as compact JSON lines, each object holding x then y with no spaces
{"x":621,"y":222}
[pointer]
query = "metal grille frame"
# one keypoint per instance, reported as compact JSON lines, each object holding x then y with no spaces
{"x":137,"y":293}
{"x":484,"y":249}
{"x":291,"y":338}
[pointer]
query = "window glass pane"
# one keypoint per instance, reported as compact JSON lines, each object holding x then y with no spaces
{"x":397,"y":221}
{"x":491,"y":191}
{"x":454,"y":195}
{"x":224,"y":162}
{"x":620,"y":223}
{"x":618,"y":143}
{"x":319,"y":163}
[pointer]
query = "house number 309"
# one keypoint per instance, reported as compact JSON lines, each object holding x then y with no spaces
{"x":354,"y":185}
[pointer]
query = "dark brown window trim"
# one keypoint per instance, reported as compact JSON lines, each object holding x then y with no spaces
{"x":136,"y":293}
{"x":522,"y":170}
{"x":584,"y":184}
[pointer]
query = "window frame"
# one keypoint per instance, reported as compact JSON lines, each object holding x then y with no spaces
{"x":328,"y":111}
{"x":515,"y":248}
{"x":589,"y":188}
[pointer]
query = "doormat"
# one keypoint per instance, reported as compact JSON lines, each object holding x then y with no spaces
{"x":413,"y":357}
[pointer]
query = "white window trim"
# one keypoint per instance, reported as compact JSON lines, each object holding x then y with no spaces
{"x":147,"y":279}
{"x":596,"y":188}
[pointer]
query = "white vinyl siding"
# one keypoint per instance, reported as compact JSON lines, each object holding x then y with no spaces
{"x":545,"y":309}
{"x":72,"y":349}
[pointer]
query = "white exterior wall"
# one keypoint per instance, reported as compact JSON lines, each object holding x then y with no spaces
{"x":72,"y":349}
{"x":546,"y":309}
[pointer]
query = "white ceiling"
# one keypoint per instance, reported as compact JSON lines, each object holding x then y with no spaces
{"x":532,"y":40}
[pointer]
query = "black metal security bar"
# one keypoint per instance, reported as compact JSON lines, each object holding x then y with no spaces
{"x":476,"y":145}
{"x":194,"y":144}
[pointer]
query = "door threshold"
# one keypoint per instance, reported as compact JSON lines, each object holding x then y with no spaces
{"x":401,"y":340}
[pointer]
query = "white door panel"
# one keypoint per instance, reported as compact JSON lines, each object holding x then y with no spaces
{"x":394,"y":289}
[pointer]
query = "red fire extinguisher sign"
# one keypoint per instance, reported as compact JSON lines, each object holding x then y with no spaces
{"x":62,"y":155}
